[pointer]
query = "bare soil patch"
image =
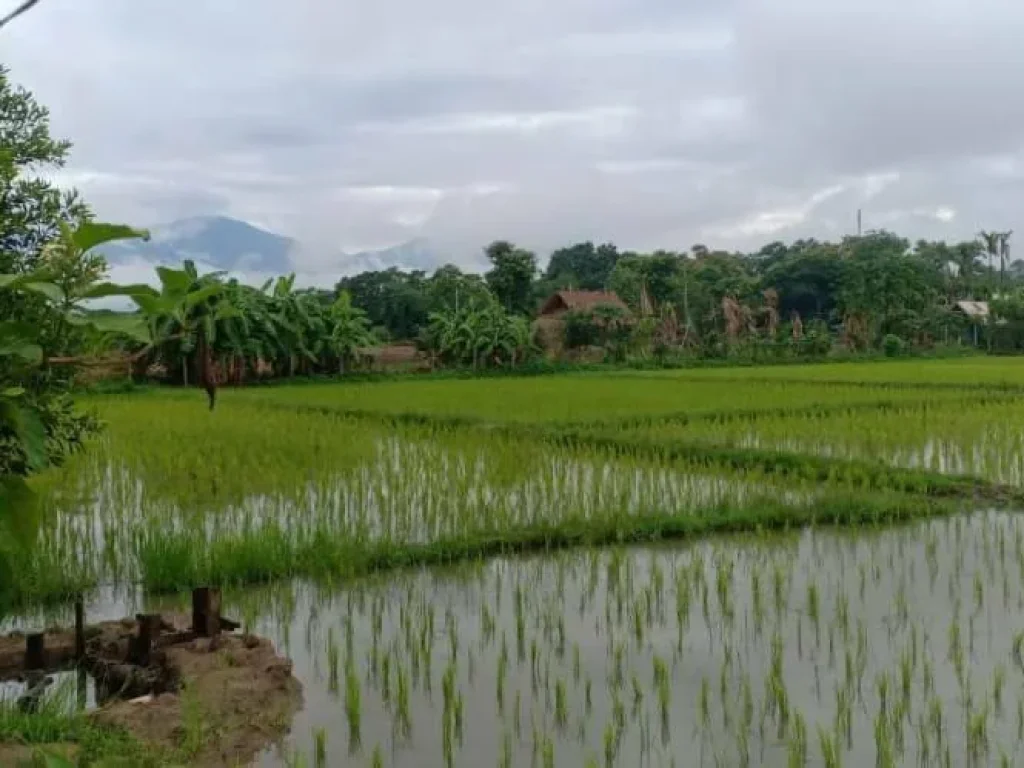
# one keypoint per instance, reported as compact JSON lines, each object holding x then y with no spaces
{"x":215,"y":701}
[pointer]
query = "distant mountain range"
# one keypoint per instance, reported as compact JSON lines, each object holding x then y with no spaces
{"x":229,"y":244}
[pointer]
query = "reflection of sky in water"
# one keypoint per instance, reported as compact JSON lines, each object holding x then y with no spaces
{"x":68,"y":690}
{"x":985,"y":457}
{"x":885,"y":600}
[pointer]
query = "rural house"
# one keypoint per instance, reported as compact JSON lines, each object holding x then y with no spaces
{"x":561,"y":302}
{"x":550,"y":324}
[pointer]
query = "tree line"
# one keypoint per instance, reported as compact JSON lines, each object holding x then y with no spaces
{"x":858,"y":291}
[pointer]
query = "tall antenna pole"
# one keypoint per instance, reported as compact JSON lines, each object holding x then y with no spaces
{"x":17,"y":12}
{"x":858,"y":222}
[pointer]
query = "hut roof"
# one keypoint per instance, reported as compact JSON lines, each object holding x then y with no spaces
{"x":973,"y":308}
{"x":561,"y":301}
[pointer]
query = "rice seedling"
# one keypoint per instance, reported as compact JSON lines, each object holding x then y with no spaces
{"x":958,"y":434}
{"x":559,"y":399}
{"x":586,"y":652}
{"x":628,"y":699}
{"x":974,"y":372}
{"x":320,"y":748}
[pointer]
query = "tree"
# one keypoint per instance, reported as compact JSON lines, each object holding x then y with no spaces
{"x":71,"y":262}
{"x":450,"y":288}
{"x":392,"y":299}
{"x":30,"y":208}
{"x":182,"y":319}
{"x":991,"y":242}
{"x":511,"y":276}
{"x":806,"y":278}
{"x":582,"y":266}
{"x":884,"y":288}
{"x":38,"y":427}
{"x":1004,"y":257}
{"x":350,"y":331}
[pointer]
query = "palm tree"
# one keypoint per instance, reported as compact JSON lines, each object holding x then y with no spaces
{"x":991,"y":243}
{"x":966,"y":258}
{"x":1004,"y":257}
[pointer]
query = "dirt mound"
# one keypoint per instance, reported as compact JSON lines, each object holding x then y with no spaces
{"x":231,"y":697}
{"x":238,"y":697}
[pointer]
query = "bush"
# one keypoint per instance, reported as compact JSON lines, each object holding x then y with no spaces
{"x":892,"y":345}
{"x":64,"y":427}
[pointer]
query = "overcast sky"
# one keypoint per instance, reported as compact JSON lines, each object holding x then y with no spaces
{"x":651,"y":123}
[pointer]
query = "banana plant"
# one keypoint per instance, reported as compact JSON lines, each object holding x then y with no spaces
{"x":185,"y":310}
{"x":350,"y":329}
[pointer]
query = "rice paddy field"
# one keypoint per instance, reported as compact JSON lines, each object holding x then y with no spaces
{"x":788,"y":566}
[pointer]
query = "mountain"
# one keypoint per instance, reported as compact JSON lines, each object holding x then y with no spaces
{"x":228,"y":244}
{"x":218,"y":241}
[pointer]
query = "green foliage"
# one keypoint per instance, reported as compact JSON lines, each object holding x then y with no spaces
{"x":604,"y":325}
{"x":392,"y":299}
{"x":892,"y":345}
{"x":485,"y":336}
{"x":581,"y":329}
{"x":38,"y":424}
{"x":32,"y":207}
{"x":581,"y":267}
{"x":351,"y":329}
{"x":511,"y":276}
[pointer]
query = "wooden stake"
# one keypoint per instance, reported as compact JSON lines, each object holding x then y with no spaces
{"x":206,"y":611}
{"x":79,"y":630}
{"x":35,"y":650}
{"x":149,"y":631}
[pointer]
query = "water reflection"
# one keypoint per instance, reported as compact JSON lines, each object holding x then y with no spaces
{"x":733,"y":651}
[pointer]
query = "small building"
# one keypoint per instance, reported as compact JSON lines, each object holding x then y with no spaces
{"x":549,"y":327}
{"x":976,"y":313}
{"x":972,"y":310}
{"x":561,"y":302}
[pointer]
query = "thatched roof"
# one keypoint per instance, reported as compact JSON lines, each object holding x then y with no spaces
{"x":564,"y":301}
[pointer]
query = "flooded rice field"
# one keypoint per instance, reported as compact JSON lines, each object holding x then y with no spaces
{"x":819,"y":648}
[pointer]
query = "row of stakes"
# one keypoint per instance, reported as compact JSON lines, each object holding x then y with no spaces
{"x":206,"y":622}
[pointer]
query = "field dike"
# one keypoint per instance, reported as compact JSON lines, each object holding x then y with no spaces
{"x":209,"y":702}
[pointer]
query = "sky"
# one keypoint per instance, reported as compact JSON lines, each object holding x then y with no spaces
{"x":650,"y":123}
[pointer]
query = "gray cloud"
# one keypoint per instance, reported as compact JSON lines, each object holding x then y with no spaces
{"x":647,"y":122}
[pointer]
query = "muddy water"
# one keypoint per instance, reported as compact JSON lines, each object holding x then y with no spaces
{"x":735,"y":651}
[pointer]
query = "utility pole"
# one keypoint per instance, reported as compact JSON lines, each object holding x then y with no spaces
{"x":858,"y":222}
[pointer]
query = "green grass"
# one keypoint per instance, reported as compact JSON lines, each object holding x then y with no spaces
{"x":58,"y":722}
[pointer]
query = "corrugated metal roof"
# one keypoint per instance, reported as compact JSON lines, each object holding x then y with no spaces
{"x":973,"y":308}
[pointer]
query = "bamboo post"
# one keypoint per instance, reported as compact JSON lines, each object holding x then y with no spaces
{"x":206,"y":611}
{"x":35,"y":650}
{"x":79,"y":630}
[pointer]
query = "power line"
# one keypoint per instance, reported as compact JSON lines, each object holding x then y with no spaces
{"x":17,"y":12}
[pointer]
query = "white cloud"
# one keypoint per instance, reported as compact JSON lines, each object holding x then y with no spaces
{"x":650,"y":123}
{"x":593,"y":121}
